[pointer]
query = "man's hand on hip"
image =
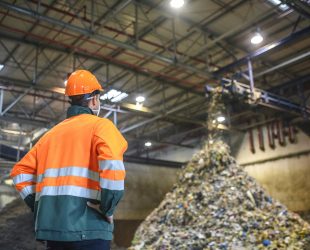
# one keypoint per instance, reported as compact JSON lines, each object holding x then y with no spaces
{"x":97,"y":208}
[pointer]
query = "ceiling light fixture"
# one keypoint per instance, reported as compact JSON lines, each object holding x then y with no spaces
{"x":148,"y":144}
{"x":176,"y":3}
{"x":140,"y":99}
{"x":277,"y":3}
{"x":114,"y":95}
{"x":257,"y":38}
{"x":220,"y":119}
{"x":119,"y":97}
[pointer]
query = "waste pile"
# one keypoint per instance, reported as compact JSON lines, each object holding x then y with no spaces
{"x":305,"y":215}
{"x":216,"y":205}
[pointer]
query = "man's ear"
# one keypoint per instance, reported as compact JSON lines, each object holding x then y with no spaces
{"x":93,"y":101}
{"x":97,"y":98}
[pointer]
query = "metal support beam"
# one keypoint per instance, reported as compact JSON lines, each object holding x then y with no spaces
{"x":108,"y":114}
{"x":262,"y":98}
{"x":126,"y":66}
{"x":1,"y":100}
{"x":143,"y":32}
{"x":14,"y":59}
{"x":116,"y":8}
{"x":289,"y":84}
{"x":92,"y":15}
{"x":251,"y":76}
{"x":296,"y":24}
{"x":9,"y":153}
{"x":125,"y":108}
{"x":35,"y":73}
{"x":302,"y":7}
{"x":157,"y":117}
{"x":10,"y":54}
{"x":281,"y":65}
{"x":47,"y":105}
{"x":236,"y":30}
{"x":174,"y":39}
{"x":136,"y":25}
{"x":156,"y":141}
{"x":100,"y":37}
{"x":33,"y":122}
{"x":15,"y":101}
{"x":21,"y":107}
{"x":267,"y":48}
{"x":18,"y":147}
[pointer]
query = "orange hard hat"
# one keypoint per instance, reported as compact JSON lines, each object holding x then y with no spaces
{"x":82,"y":82}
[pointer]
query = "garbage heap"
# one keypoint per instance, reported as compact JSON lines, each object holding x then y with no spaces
{"x":216,"y":205}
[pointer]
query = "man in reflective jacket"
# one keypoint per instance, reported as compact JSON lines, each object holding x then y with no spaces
{"x":73,"y":177}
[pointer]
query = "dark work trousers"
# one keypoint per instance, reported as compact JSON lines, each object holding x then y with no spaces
{"x":78,"y":245}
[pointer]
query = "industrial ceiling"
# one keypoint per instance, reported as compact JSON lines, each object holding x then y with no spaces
{"x":144,"y":47}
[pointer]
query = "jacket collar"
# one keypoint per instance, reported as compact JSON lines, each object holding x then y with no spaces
{"x":78,"y":110}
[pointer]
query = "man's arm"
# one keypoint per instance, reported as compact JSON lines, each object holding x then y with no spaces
{"x":110,"y":145}
{"x":24,"y":175}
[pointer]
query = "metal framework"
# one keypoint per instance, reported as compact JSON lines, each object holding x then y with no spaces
{"x":144,"y":47}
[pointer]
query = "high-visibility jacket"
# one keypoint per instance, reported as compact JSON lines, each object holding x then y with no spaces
{"x":79,"y":160}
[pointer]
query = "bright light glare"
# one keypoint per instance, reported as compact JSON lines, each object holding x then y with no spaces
{"x":140,"y":99}
{"x":257,"y":38}
{"x":148,"y":144}
{"x":114,"y":95}
{"x":283,"y":7}
{"x":65,"y":82}
{"x":176,"y":3}
{"x":15,"y":125}
{"x":1,"y":66}
{"x":119,"y":97}
{"x":13,"y":132}
{"x":139,"y":105}
{"x":8,"y":182}
{"x":220,"y":118}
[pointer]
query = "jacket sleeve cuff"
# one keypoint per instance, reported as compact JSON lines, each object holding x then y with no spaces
{"x":110,"y":199}
{"x":30,"y":200}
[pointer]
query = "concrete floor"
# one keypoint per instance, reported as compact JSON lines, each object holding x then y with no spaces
{"x":17,"y":229}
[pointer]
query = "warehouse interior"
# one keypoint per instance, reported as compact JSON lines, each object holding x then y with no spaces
{"x":159,"y":61}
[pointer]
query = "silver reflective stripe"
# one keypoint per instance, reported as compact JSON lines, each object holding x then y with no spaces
{"x":111,"y":165}
{"x":69,"y":171}
{"x":69,"y":190}
{"x":23,"y":177}
{"x":27,"y":190}
{"x":112,"y":185}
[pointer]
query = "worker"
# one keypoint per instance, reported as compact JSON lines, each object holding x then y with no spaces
{"x":73,"y":178}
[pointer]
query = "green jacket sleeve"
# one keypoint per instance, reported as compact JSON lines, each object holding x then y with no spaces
{"x":109,"y":200}
{"x":30,"y":200}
